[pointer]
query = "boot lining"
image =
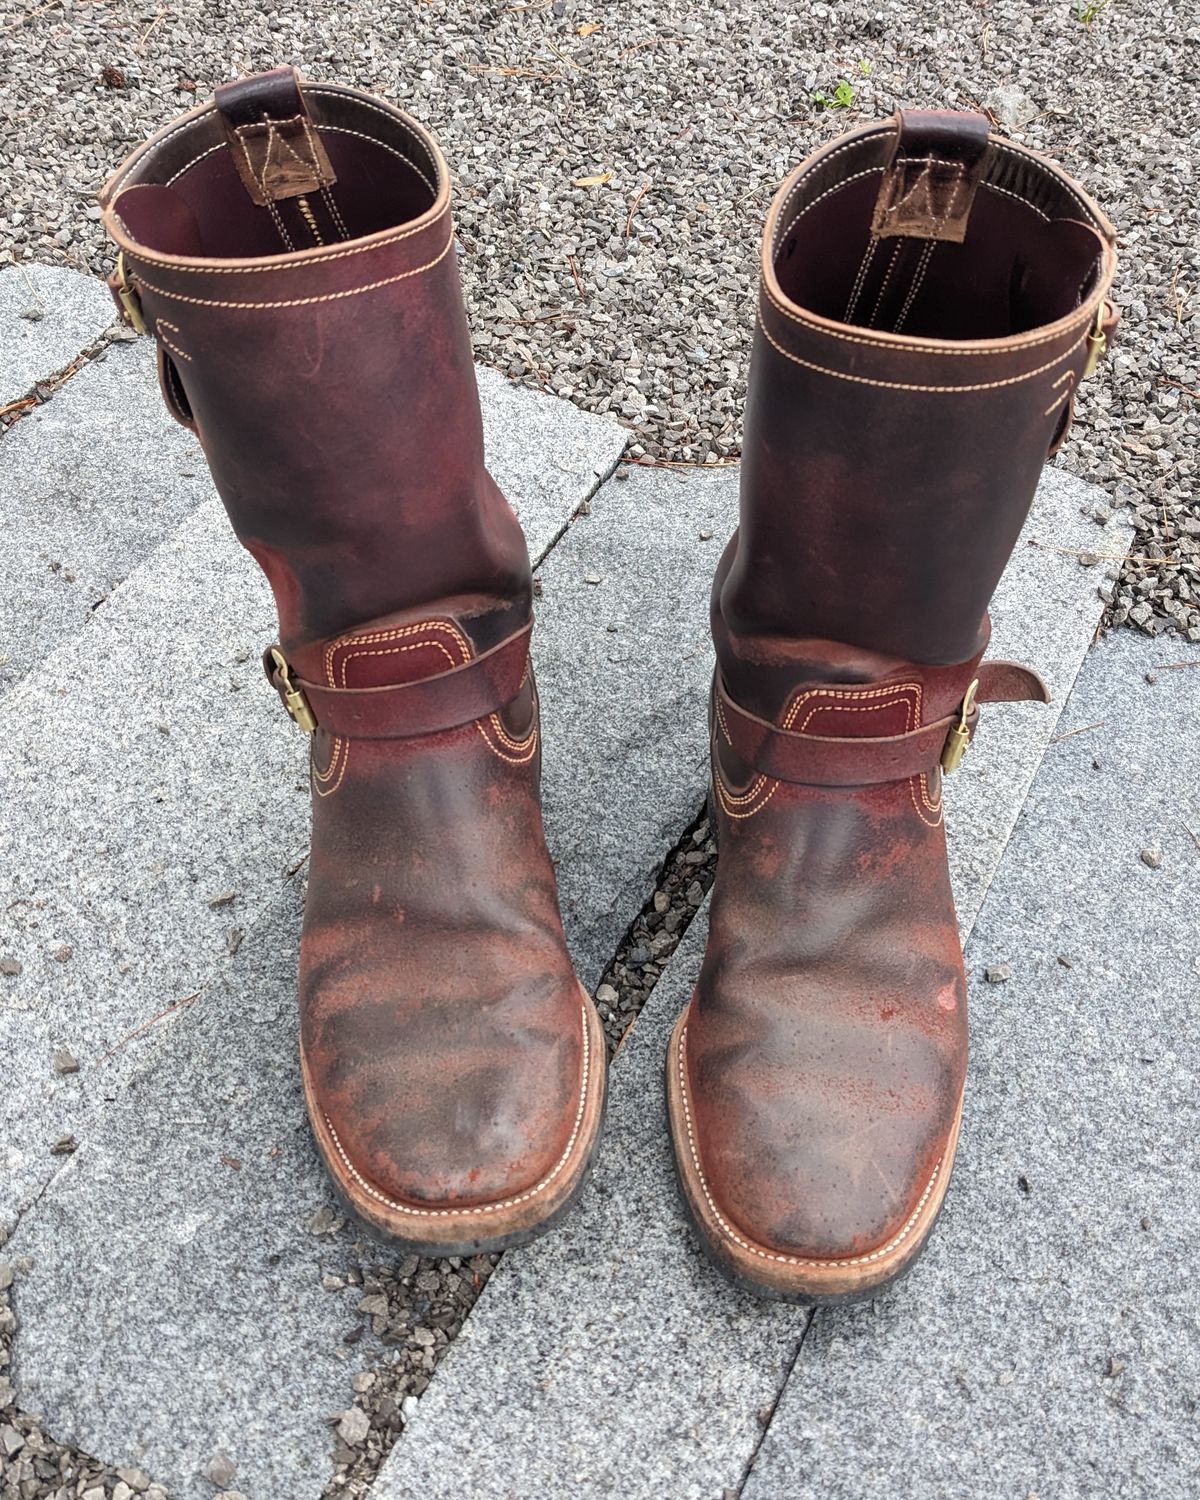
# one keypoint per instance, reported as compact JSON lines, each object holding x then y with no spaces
{"x":1032,"y":253}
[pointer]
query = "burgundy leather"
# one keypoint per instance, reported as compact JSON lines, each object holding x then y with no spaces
{"x":401,"y":710}
{"x":908,"y":414}
{"x":319,"y":348}
{"x":791,"y":753}
{"x":904,"y":390}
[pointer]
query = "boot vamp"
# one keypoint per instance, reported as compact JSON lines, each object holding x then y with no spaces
{"x":827,"y":1040}
{"x":441,"y":1020}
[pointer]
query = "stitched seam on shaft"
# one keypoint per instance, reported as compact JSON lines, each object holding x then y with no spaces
{"x":1008,"y":193}
{"x":918,"y":278}
{"x":487,"y":1208}
{"x":886,"y":282}
{"x":337,"y":130}
{"x":339,"y":759}
{"x":353,"y":291}
{"x":1069,"y":377}
{"x":729,"y":800}
{"x":394,"y":651}
{"x":399,"y":632}
{"x":1025,"y":343}
{"x":791,"y":1260}
{"x":529,"y":749}
{"x":1018,"y":156}
{"x":900,"y":385}
{"x":892,"y":690}
{"x":171,"y":345}
{"x":334,"y":212}
{"x":508,"y":740}
{"x":399,"y":155}
{"x":1007,"y":347}
{"x":860,"y":279}
{"x":820,"y":198}
{"x":394,"y":633}
{"x":387,"y":115}
{"x":364,"y":248}
{"x":260,"y":178}
{"x":899,"y":692}
{"x":817,"y":165}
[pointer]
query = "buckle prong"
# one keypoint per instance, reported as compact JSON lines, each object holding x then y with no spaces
{"x":131,"y":303}
{"x":960,"y":734}
{"x":1097,"y":342}
{"x":293,"y":697}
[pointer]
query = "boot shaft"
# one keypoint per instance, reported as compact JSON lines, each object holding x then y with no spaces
{"x":292,"y":251}
{"x":931,"y":296}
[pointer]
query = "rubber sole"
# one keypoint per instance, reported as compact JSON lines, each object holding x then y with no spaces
{"x":766,"y":1272}
{"x":480,"y":1228}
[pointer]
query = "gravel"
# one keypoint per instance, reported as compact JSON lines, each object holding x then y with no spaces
{"x":634,"y":294}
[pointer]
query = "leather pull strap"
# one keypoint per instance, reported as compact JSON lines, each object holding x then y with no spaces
{"x":429,"y":705}
{"x":937,"y":163}
{"x":825,"y":760}
{"x":277,"y":151}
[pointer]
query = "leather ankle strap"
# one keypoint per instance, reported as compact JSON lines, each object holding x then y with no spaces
{"x":825,"y":760}
{"x":406,"y":710}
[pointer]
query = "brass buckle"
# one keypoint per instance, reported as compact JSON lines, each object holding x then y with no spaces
{"x":294,"y":700}
{"x":130,"y":301}
{"x":960,"y":735}
{"x":1097,"y":341}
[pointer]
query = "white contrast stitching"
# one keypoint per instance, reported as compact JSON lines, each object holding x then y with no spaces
{"x":354,"y":291}
{"x":899,"y":385}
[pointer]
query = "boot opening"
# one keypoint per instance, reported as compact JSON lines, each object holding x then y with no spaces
{"x":183,"y":195}
{"x":1031,"y":255}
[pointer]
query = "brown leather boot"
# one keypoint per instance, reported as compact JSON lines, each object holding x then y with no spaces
{"x":292,"y":253}
{"x":931,"y":296}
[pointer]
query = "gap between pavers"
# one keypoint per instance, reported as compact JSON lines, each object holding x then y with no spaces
{"x":610,"y":1360}
{"x":1048,"y":1343}
{"x":92,"y":481}
{"x":48,"y":314}
{"x":147,"y":771}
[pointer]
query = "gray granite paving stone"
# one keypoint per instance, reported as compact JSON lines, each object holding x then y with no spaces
{"x":616,"y":1362}
{"x":47,"y":315}
{"x":175,"y":1308}
{"x":145,"y":775}
{"x":1049,"y":1342}
{"x":90,"y":483}
{"x":624,"y":661}
{"x":1044,"y":614}
{"x":542,"y":451}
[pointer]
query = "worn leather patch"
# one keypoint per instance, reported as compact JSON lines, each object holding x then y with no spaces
{"x":279,"y":159}
{"x":937,"y":164}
